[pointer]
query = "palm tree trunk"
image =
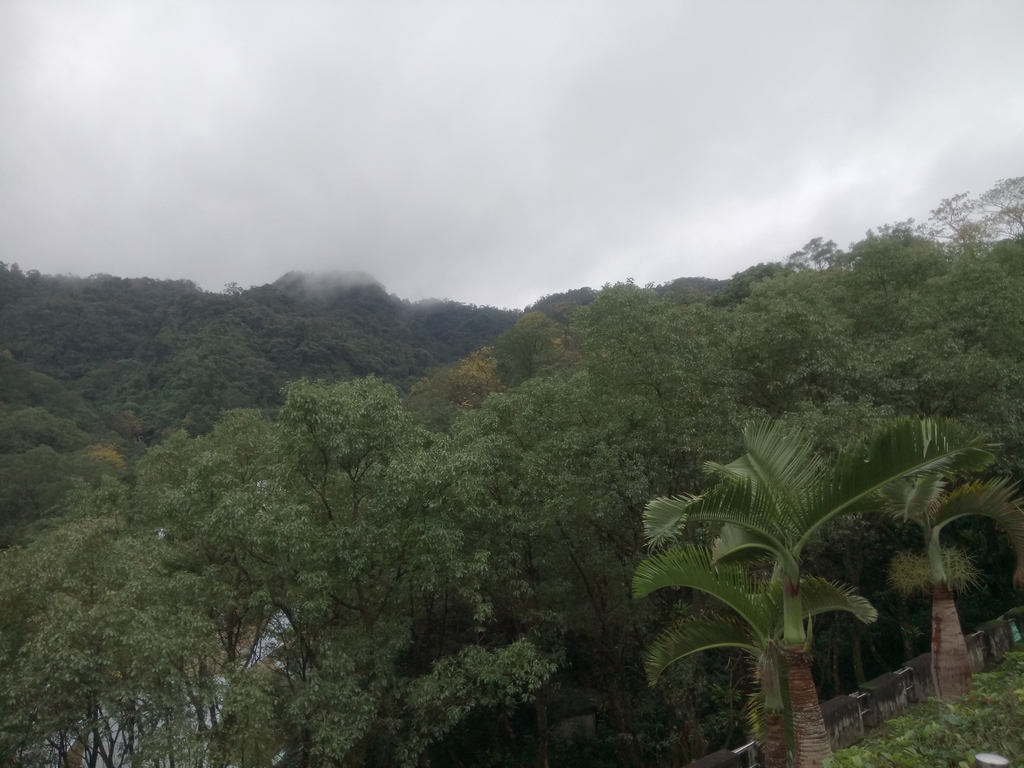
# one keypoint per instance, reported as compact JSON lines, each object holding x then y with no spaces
{"x":775,"y":742}
{"x":951,"y":664}
{"x":812,"y":745}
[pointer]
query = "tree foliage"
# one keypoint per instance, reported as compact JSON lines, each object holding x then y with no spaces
{"x":340,"y":528}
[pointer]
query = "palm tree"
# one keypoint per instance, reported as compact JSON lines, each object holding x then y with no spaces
{"x":777,"y":496}
{"x":931,"y":504}
{"x":755,"y":627}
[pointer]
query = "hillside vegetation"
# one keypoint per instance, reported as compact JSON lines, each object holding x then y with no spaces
{"x":270,"y":557}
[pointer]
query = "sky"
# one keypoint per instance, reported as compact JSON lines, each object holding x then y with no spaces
{"x":489,"y":152}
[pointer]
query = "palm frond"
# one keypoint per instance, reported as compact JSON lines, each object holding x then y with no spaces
{"x":772,"y":695}
{"x":916,"y":500}
{"x":747,"y":504}
{"x":773,"y":676}
{"x":776,"y":455}
{"x":993,"y":499}
{"x":692,"y":567}
{"x":821,"y":596}
{"x":783,"y":456}
{"x":903,"y":448}
{"x":779,"y":460}
{"x":664,"y":518}
{"x":736,"y":544}
{"x":694,"y":635}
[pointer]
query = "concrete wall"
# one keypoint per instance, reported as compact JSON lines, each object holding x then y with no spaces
{"x":1000,"y":637}
{"x":977,"y":647}
{"x":723,"y":758}
{"x":887,"y":697}
{"x":921,"y":683}
{"x":843,"y":721}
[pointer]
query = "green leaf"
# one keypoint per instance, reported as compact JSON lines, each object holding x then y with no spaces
{"x":695,"y":635}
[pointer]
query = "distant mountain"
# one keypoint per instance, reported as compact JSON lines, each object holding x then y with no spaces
{"x":171,"y":355}
{"x":174,"y":355}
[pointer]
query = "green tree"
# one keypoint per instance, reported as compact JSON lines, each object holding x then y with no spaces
{"x":792,"y":343}
{"x":817,"y":254}
{"x":931,"y":504}
{"x":527,"y":348}
{"x":774,"y":499}
{"x":98,"y":650}
{"x":334,"y":537}
{"x":756,"y":626}
{"x":439,"y":398}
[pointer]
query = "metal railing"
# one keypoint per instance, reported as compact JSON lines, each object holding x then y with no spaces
{"x":749,"y":755}
{"x":860,"y":696}
{"x":909,"y":678}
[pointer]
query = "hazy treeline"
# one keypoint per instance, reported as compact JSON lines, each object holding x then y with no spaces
{"x":362,"y":578}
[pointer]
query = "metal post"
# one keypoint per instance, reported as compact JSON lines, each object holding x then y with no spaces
{"x":989,"y":760}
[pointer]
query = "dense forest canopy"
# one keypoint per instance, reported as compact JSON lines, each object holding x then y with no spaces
{"x":310,"y":523}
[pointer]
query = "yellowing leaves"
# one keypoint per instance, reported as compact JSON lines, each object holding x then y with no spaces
{"x":106,"y":452}
{"x":473,"y":379}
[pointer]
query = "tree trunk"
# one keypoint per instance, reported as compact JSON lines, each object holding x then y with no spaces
{"x":951,"y":664}
{"x":858,"y":654}
{"x":906,"y":627}
{"x":775,"y":742}
{"x":812,"y":745}
{"x":541,"y":705}
{"x":507,"y":723}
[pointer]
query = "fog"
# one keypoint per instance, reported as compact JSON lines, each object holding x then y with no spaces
{"x":488,"y":153}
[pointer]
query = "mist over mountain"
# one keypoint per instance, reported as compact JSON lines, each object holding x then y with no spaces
{"x":320,"y":284}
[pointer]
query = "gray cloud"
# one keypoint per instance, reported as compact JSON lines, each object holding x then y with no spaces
{"x":488,"y":152}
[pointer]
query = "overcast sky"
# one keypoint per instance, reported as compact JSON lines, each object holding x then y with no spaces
{"x":489,"y":152}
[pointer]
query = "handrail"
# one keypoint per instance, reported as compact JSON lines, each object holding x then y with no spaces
{"x":748,"y":754}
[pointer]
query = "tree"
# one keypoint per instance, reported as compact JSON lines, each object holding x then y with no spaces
{"x":560,"y":515}
{"x":101,"y":653}
{"x":528,"y":347}
{"x":335,"y":538}
{"x":817,"y":255}
{"x":793,"y":342}
{"x":967,"y":223}
{"x":775,"y":498}
{"x":439,"y":398}
{"x":1003,"y":209}
{"x":756,"y":627}
{"x":930,"y":503}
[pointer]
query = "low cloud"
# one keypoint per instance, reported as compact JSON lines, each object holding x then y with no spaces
{"x":488,"y":153}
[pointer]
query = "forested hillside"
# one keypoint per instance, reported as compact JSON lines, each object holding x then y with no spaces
{"x":171,"y":353}
{"x":95,"y":369}
{"x":434,"y":564}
